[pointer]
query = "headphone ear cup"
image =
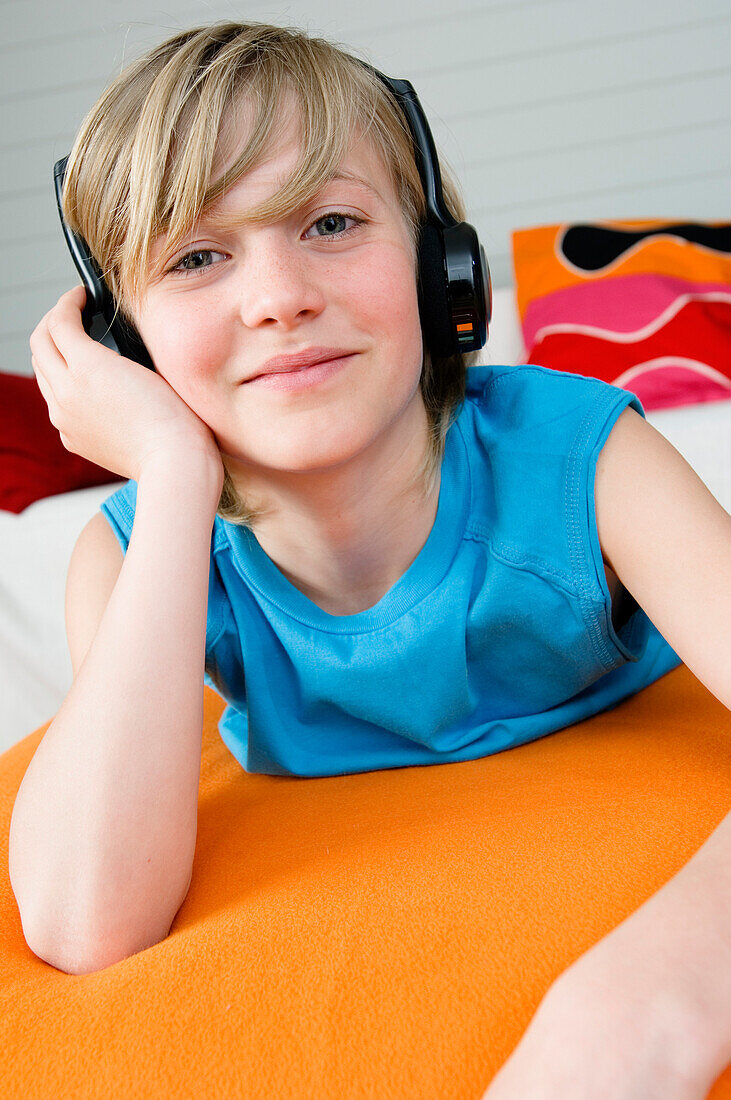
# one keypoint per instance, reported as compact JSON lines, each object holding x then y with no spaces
{"x":434,"y":310}
{"x":469,"y":289}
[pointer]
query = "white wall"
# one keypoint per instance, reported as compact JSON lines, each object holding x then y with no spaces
{"x":548,"y":110}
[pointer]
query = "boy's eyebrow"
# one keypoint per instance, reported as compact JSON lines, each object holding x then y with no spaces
{"x":223,"y":220}
{"x":351,"y":177}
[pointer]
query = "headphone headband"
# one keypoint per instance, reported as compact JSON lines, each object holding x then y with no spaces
{"x":455,"y":289}
{"x":427,"y":160}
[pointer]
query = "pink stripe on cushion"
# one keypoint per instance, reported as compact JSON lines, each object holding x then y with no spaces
{"x":668,"y":382}
{"x":622,"y":304}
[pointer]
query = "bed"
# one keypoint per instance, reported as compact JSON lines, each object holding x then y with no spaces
{"x":386,"y":934}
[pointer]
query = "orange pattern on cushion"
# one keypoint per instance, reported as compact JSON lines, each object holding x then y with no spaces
{"x":383,"y":934}
{"x":539,"y":271}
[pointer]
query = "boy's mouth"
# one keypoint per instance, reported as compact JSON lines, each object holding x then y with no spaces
{"x":300,"y":360}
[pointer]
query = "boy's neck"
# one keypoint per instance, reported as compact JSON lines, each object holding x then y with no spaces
{"x":344,"y":538}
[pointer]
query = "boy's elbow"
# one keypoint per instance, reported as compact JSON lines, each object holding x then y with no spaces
{"x":78,"y":958}
{"x":77,"y":946}
{"x":80,"y":955}
{"x":68,"y":960}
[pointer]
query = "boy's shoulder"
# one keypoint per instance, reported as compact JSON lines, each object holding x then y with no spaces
{"x":529,"y":378}
{"x":529,"y":396}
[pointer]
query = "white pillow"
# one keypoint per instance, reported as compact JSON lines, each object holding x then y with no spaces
{"x":35,"y":550}
{"x":505,"y":339}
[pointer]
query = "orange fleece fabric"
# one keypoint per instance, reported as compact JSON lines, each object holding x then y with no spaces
{"x":388,"y":934}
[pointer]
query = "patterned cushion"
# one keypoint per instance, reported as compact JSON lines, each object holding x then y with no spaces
{"x":645,"y":305}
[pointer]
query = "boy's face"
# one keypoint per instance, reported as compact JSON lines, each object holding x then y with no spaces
{"x":337,"y":274}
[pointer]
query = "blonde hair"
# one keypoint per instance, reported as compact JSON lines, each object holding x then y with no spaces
{"x":142,"y":165}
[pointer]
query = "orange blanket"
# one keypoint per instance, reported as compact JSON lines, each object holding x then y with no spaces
{"x":380,"y":935}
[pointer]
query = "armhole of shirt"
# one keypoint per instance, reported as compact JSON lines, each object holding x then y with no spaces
{"x":119,"y":511}
{"x":628,"y":641}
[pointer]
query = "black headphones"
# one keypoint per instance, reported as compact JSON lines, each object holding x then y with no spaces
{"x":99,"y":316}
{"x":455,"y":289}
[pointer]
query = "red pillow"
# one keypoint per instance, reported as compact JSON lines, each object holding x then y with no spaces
{"x":33,"y":461}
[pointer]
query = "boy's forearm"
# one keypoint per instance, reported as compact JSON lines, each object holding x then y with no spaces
{"x":663,"y":975}
{"x":692,"y":919}
{"x":104,"y":825}
{"x":672,"y":956}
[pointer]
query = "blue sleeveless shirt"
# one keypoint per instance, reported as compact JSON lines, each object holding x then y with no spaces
{"x":499,"y":632}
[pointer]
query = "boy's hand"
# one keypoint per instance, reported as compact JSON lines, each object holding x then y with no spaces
{"x":107,"y":408}
{"x":608,"y":1029}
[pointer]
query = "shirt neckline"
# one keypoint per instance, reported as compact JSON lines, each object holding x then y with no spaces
{"x":422,"y":576}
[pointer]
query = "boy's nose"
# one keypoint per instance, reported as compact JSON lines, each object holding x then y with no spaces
{"x":278,"y":287}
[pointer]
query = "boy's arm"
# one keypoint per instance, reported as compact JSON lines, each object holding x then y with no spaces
{"x":669,"y":541}
{"x":653,"y":996}
{"x":103,"y":829}
{"x":647,"y":1010}
{"x":689,"y":922}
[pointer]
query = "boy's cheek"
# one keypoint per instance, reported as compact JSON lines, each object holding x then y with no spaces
{"x":399,"y":301}
{"x":190,"y":356}
{"x":392,"y":278}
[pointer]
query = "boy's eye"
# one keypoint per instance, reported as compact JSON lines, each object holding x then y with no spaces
{"x":193,"y":261}
{"x":333,"y":224}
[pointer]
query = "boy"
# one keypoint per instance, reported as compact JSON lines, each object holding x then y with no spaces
{"x":377,"y":560}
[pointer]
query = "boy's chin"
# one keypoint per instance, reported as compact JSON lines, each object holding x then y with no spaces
{"x":295,"y":457}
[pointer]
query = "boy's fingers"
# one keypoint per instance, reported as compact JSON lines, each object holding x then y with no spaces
{"x":67,"y":308}
{"x":48,"y":363}
{"x":64,"y":321}
{"x":43,"y":385}
{"x":57,"y":336}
